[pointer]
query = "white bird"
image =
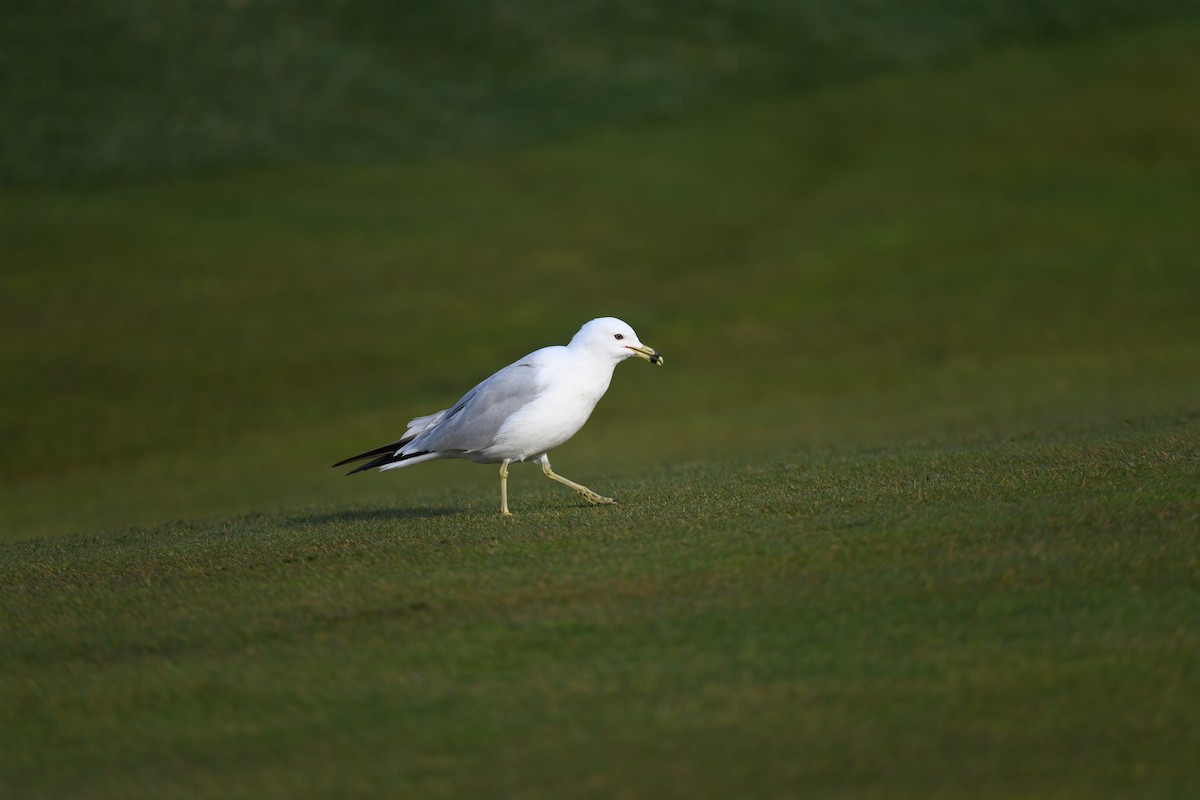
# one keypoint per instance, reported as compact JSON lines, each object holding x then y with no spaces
{"x":523,"y":411}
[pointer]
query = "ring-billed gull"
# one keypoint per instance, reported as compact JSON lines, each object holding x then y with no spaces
{"x":523,"y":411}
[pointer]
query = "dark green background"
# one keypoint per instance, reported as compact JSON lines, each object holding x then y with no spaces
{"x":911,"y":510}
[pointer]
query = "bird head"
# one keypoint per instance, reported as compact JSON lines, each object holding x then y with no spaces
{"x":611,"y":336}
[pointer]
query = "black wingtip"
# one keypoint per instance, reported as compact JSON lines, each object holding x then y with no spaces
{"x":384,"y":460}
{"x":363,"y":467}
{"x":387,"y":450}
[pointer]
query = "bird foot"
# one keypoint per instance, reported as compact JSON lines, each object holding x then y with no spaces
{"x":596,"y":499}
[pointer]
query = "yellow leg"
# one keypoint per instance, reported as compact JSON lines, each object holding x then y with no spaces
{"x":591,"y":496}
{"x":504,"y":489}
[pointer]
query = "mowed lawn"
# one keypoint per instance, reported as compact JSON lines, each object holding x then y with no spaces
{"x":1008,"y":618}
{"x":910,"y":512}
{"x":1003,"y":243}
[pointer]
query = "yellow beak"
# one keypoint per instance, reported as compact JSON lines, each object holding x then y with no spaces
{"x":648,"y":353}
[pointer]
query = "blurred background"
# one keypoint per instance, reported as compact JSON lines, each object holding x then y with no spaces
{"x":242,"y":240}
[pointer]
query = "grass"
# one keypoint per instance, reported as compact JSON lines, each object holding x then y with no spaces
{"x":141,"y":89}
{"x":1013,"y":615}
{"x":911,"y":512}
{"x":821,"y":269}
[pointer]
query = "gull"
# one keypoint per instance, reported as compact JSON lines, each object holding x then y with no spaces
{"x":523,"y":411}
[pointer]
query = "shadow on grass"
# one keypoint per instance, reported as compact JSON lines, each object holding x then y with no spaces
{"x":373,"y":515}
{"x":376,"y":615}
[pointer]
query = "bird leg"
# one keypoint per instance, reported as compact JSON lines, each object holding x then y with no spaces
{"x":591,"y":496}
{"x":504,"y":489}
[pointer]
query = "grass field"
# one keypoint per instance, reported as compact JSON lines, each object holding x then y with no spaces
{"x":910,"y":512}
{"x":1007,"y":618}
{"x":143,"y":89}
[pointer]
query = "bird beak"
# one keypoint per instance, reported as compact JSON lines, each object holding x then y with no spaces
{"x":648,"y":353}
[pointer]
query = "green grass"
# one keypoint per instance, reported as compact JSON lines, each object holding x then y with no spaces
{"x":1003,"y":244}
{"x":95,"y":91}
{"x":911,"y":512}
{"x":1012,"y":617}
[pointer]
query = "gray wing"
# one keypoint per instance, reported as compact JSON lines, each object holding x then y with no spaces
{"x":472,"y":423}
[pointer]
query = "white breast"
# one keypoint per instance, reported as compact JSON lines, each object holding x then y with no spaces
{"x":556,"y":415}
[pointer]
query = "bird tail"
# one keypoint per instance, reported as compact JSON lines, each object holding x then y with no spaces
{"x":390,"y":456}
{"x":383,"y":456}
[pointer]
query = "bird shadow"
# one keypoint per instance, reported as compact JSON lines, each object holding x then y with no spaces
{"x":372,"y":515}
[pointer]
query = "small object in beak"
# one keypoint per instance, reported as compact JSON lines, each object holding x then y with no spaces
{"x":656,"y":358}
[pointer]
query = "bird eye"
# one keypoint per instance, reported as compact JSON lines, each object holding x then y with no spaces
{"x":618,"y":336}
